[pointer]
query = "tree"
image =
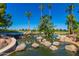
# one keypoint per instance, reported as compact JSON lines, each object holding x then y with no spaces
{"x":49,"y":7}
{"x":5,"y":19}
{"x":28,"y":14}
{"x":2,"y":11}
{"x":46,"y":26}
{"x":70,"y":19}
{"x":41,"y":8}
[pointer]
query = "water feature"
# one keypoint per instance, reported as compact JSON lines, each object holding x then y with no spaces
{"x":43,"y":51}
{"x":12,"y":34}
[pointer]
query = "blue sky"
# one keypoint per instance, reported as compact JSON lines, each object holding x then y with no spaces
{"x":20,"y":20}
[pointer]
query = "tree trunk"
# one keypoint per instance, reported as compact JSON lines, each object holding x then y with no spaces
{"x":70,"y":28}
{"x":49,"y":12}
{"x":28,"y":24}
{"x":41,"y":13}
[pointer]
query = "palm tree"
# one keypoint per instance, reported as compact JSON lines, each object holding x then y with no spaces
{"x":49,"y":7}
{"x":28,"y":14}
{"x":70,"y":18}
{"x":41,"y":8}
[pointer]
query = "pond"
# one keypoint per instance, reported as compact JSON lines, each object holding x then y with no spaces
{"x":43,"y":51}
{"x":12,"y":34}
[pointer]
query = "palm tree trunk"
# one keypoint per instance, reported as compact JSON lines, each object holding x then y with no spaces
{"x":28,"y":24}
{"x":41,"y":13}
{"x":71,"y":28}
{"x":49,"y":12}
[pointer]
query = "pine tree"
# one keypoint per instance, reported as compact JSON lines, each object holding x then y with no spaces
{"x":46,"y":26}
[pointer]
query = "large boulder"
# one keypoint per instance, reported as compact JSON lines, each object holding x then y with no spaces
{"x":53,"y":48}
{"x":62,"y":39}
{"x":39,"y":39}
{"x":58,"y":37}
{"x":71,"y":48}
{"x":43,"y":40}
{"x":46,"y":43}
{"x":77,"y":43}
{"x":35,"y":45}
{"x":2,"y":43}
{"x":20,"y":47}
{"x":72,"y":37}
{"x":66,"y":39}
{"x":8,"y":41}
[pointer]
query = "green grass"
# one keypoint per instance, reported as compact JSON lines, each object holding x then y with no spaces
{"x":5,"y":30}
{"x":61,"y":32}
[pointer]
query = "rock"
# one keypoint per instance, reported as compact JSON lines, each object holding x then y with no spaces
{"x":38,"y":38}
{"x":27,"y":42}
{"x":20,"y":47}
{"x":65,"y":39}
{"x":62,"y":39}
{"x":72,"y":37}
{"x":58,"y":37}
{"x":77,"y":43}
{"x":6,"y":47}
{"x":46,"y":43}
{"x":69,"y":40}
{"x":2,"y":42}
{"x":53,"y":48}
{"x":35,"y":45}
{"x":8,"y":41}
{"x":43,"y":40}
{"x":71,"y":48}
{"x":56,"y":43}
